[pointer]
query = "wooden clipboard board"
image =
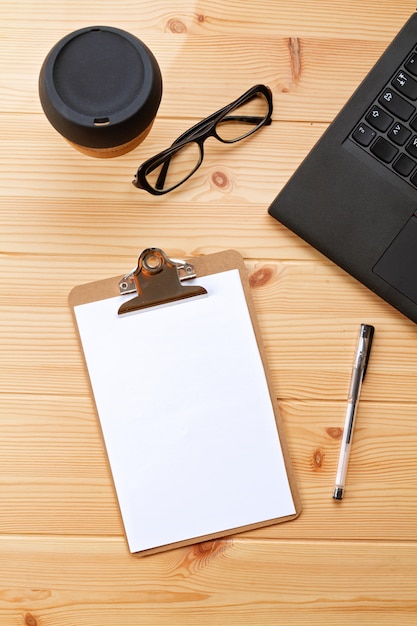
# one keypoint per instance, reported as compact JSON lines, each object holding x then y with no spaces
{"x":184,"y":397}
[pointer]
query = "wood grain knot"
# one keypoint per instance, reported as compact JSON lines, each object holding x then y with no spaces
{"x":261,"y":277}
{"x":317,"y":459}
{"x":221,"y":181}
{"x":198,"y":556}
{"x":208,"y":550}
{"x":294,"y":45}
{"x":30,"y":620}
{"x":176,"y":26}
{"x":334,"y":432}
{"x":201,"y":18}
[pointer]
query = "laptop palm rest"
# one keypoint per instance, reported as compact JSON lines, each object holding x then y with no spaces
{"x":397,"y":266}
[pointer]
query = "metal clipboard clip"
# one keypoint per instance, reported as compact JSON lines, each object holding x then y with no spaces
{"x":157,"y":280}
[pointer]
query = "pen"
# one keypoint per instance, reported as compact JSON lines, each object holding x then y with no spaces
{"x":358,"y":374}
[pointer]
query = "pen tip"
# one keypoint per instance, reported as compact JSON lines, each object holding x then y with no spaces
{"x":338,"y":493}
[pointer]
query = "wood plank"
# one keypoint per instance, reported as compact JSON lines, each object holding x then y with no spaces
{"x":311,"y":78}
{"x":210,"y":17}
{"x":251,"y":171}
{"x":67,"y":581}
{"x":294,"y":323}
{"x":92,"y":231}
{"x":54,"y":477}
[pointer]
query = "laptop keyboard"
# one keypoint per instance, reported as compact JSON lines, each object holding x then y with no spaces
{"x":388,"y":128}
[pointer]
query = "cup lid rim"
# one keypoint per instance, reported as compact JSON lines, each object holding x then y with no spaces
{"x":118,"y":126}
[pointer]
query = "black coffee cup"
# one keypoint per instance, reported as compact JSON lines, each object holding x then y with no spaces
{"x":100,"y":88}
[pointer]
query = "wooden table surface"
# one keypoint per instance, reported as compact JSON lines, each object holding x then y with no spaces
{"x":67,"y":219}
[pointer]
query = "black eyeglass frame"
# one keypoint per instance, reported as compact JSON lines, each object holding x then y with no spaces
{"x":198,"y":134}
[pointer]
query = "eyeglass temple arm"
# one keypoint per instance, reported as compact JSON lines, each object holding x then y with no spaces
{"x":247,"y":118}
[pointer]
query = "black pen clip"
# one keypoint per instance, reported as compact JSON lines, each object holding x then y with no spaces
{"x":366,"y":336}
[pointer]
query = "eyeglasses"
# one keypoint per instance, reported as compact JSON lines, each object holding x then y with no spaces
{"x":172,"y":167}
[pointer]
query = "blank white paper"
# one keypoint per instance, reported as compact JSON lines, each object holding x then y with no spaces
{"x":186,"y":415}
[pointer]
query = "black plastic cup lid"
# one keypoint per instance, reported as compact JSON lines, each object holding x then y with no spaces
{"x":100,"y":87}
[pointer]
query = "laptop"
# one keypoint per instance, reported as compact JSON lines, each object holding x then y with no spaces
{"x":354,"y":197}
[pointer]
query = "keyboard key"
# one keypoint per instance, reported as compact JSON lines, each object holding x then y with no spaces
{"x":384,"y":150}
{"x":404,"y":165}
{"x":379,"y":119}
{"x":412,"y":147}
{"x":399,"y":134}
{"x":364,"y":135}
{"x":396,"y":105}
{"x":411,"y":64}
{"x":413,"y":123}
{"x":406,"y":85}
{"x":413,"y":179}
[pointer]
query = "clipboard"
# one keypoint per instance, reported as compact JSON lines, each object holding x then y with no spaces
{"x":190,"y":423}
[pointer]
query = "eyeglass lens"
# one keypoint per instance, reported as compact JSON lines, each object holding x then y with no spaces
{"x":244,"y":119}
{"x":240,"y":122}
{"x":176,"y":169}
